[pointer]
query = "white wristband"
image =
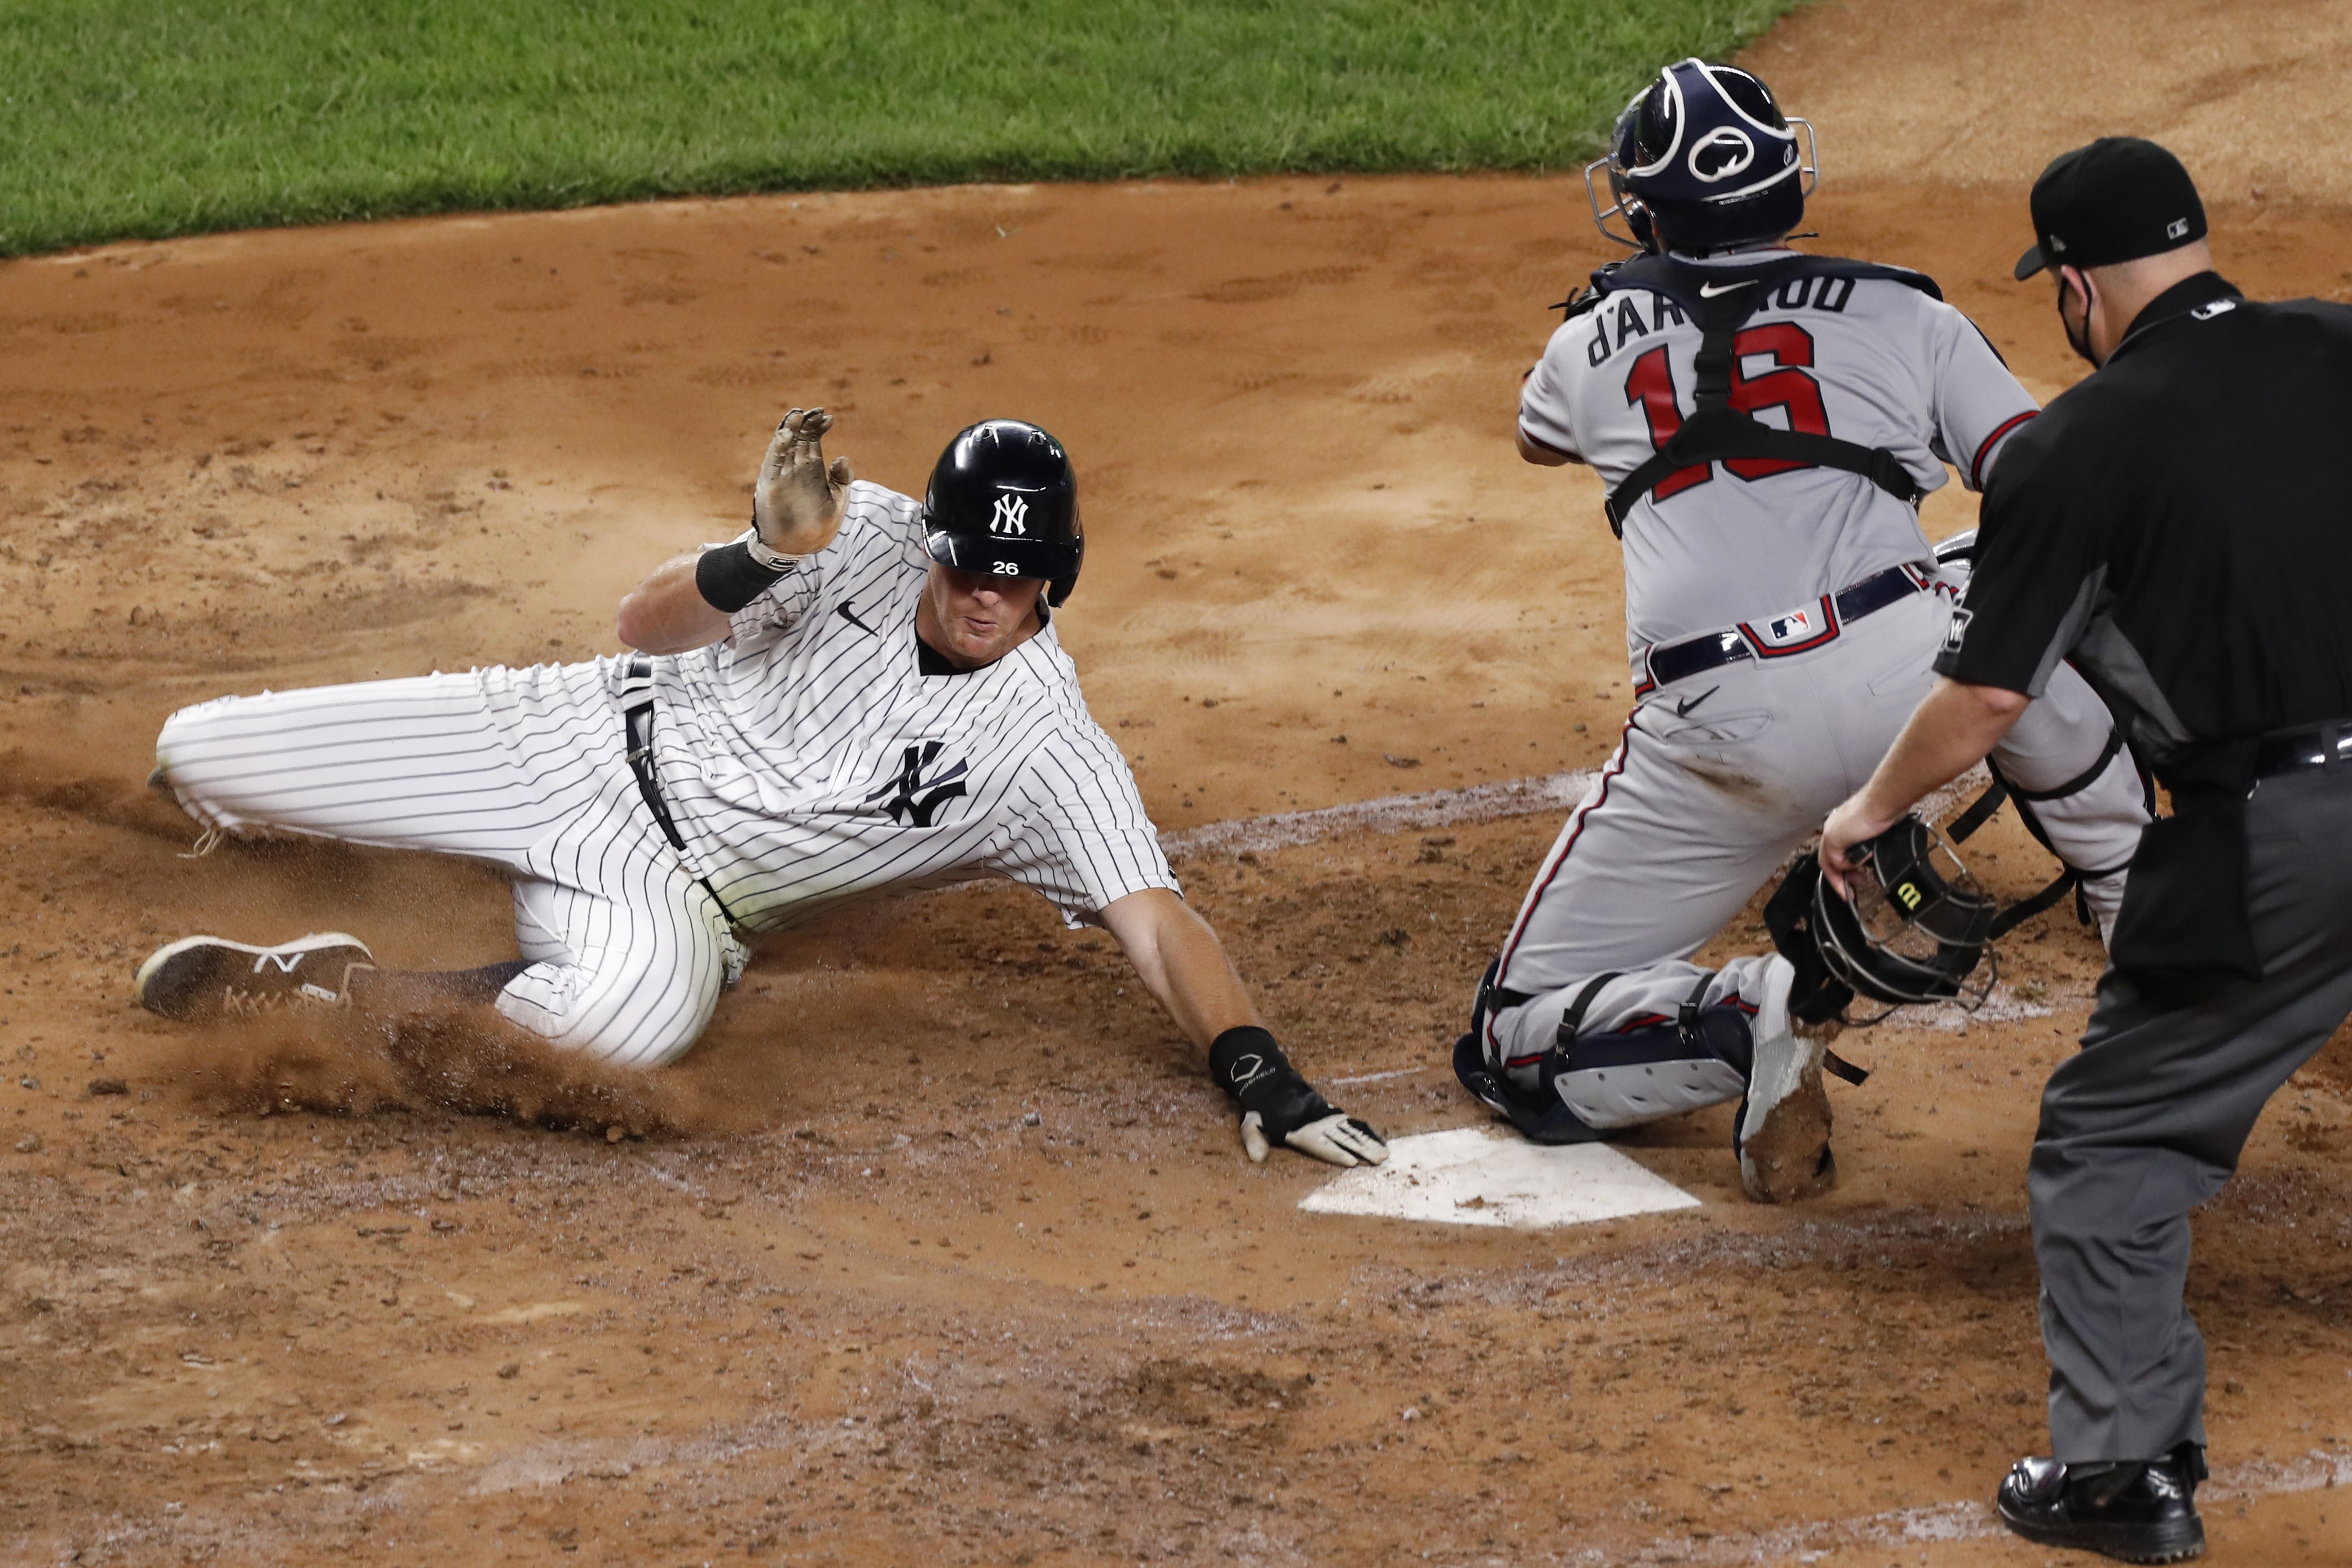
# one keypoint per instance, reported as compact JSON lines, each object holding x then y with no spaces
{"x":773,"y":559}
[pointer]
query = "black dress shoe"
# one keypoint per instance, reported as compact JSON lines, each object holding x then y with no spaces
{"x":2139,"y":1512}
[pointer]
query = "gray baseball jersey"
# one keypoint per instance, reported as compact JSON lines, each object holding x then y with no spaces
{"x":1869,"y":360}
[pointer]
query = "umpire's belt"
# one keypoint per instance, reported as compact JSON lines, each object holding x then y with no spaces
{"x":637,"y":729}
{"x":1777,"y":636}
{"x":2325,"y":744}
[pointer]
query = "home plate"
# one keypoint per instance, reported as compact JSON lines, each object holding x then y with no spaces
{"x":1470,"y":1176}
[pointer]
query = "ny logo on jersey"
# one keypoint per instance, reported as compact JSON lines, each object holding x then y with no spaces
{"x":912,"y":797}
{"x":1011,"y":516}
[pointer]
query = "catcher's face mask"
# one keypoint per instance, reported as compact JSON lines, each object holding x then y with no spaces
{"x":1918,"y":927}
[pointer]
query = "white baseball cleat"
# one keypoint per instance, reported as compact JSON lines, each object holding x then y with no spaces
{"x":1783,"y":1136}
{"x":201,"y":977}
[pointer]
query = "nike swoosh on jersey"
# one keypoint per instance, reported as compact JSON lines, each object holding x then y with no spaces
{"x":843,"y":611}
{"x":1683,"y":708}
{"x":1709,"y":290}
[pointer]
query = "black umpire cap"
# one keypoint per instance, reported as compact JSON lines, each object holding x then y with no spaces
{"x":2118,"y":199}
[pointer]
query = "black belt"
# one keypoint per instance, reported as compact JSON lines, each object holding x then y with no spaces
{"x":638,"y":730}
{"x":1673,"y":661}
{"x":2289,"y":751}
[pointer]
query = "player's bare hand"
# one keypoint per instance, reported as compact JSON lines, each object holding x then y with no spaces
{"x":1854,"y":822}
{"x":796,"y":503}
{"x":1336,"y":1139}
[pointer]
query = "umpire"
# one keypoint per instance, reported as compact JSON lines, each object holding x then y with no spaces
{"x":2175,"y":527}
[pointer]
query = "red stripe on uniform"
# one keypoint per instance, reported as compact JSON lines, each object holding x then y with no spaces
{"x":1976,"y":464}
{"x":1609,"y":773}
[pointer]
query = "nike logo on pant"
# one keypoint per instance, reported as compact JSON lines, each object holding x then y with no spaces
{"x":1683,"y":708}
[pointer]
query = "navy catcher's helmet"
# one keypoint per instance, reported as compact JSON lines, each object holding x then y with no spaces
{"x":1705,"y":151}
{"x":1003,"y":501}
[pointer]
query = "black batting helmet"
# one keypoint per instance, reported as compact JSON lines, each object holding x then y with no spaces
{"x":1003,"y":501}
{"x":1705,"y":148}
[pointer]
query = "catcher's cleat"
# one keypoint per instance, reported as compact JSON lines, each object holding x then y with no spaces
{"x":1783,"y":1133}
{"x":2143,"y":1513}
{"x":202,"y":977}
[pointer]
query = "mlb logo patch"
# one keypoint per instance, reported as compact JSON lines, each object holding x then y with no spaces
{"x":1791,"y":632}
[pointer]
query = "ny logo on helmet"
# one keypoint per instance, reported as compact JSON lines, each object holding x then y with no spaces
{"x":1011,"y":516}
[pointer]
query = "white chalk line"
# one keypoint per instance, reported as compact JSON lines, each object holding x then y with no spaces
{"x":1389,"y":814}
{"x":1381,"y":1077}
{"x":1550,"y":792}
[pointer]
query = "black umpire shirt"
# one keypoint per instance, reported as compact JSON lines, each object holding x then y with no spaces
{"x":2179,"y":526}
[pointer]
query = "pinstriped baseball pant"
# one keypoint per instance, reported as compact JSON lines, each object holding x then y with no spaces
{"x":525,"y":770}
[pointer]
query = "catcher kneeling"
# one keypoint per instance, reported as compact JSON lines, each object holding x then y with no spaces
{"x":861,"y":693}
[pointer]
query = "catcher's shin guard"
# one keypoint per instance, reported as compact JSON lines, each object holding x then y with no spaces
{"x":1589,"y":1085}
{"x":1541,"y":1116}
{"x":1655,"y":1068}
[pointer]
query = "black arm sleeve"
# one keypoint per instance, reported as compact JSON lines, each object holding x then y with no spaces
{"x":729,"y":579}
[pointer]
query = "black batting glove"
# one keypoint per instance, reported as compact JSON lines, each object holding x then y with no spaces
{"x":1278,"y":1106}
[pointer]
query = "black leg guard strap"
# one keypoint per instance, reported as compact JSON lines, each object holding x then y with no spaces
{"x":1647,"y":1071}
{"x":1837,"y":1066}
{"x":1572,"y":1019}
{"x":1980,"y":810}
{"x":1540,"y":1117}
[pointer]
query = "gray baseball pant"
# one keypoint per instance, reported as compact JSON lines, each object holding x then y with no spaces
{"x":1718,"y":780}
{"x":2147,"y":1121}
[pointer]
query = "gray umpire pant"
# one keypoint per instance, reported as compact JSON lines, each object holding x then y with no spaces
{"x":2148,"y":1119}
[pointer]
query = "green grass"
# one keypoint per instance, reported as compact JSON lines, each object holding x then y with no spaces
{"x":126,"y":117}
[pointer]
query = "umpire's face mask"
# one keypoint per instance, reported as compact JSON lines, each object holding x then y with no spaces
{"x":2077,"y":339}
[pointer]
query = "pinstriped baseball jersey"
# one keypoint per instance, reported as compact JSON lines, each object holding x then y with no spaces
{"x":1868,"y":360}
{"x":811,"y":760}
{"x":807,"y":760}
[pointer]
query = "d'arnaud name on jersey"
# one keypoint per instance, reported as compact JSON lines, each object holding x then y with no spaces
{"x":1614,"y":329}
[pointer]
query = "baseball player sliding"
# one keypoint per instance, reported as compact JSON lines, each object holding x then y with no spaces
{"x":861,"y":693}
{"x":1767,"y":422}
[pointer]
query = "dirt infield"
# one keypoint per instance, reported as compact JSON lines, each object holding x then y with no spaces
{"x":941,"y":1247}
